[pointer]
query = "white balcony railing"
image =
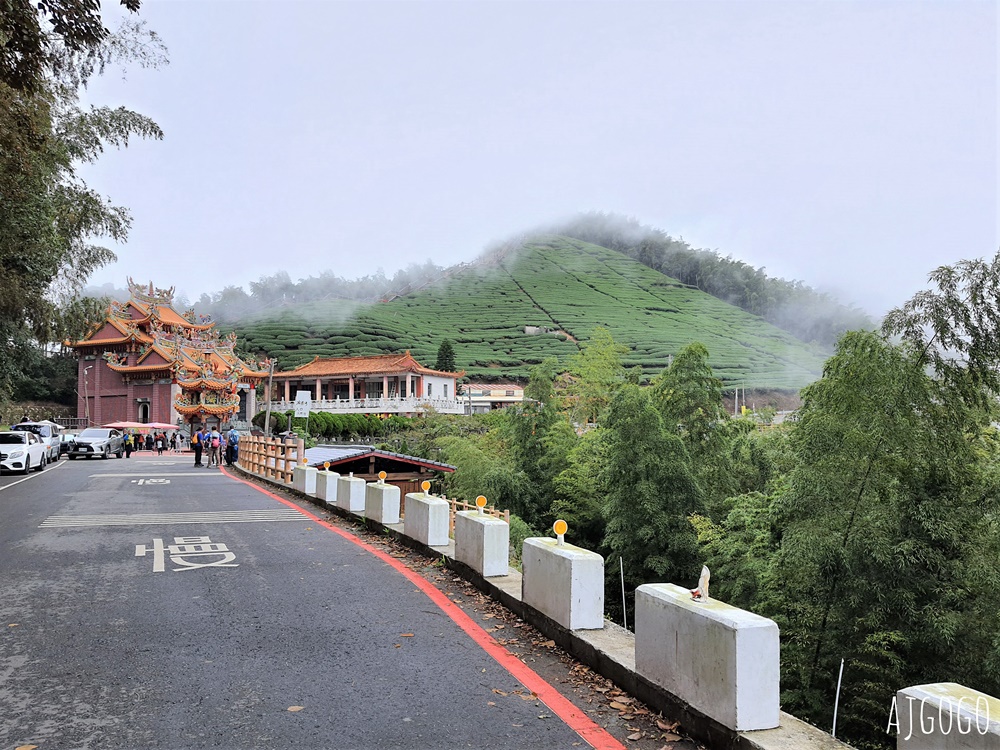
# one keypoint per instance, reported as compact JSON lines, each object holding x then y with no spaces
{"x":376,"y":405}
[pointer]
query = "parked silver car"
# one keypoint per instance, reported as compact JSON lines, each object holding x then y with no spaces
{"x":97,"y":441}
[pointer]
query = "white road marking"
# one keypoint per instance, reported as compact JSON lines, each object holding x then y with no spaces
{"x":166,"y":474}
{"x":162,"y":519}
{"x":49,"y":467}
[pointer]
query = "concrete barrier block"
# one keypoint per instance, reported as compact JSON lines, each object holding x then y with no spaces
{"x":426,"y":519}
{"x":382,"y":503}
{"x":304,"y":479}
{"x":722,"y":660}
{"x":482,"y":542}
{"x":946,"y":716}
{"x":351,"y":494}
{"x":326,"y":487}
{"x":563,"y":582}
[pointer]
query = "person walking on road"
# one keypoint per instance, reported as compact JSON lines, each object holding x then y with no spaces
{"x":129,"y":445}
{"x":215,"y":438}
{"x":232,"y":446}
{"x":197,"y":445}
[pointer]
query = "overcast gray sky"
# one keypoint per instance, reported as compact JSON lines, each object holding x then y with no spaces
{"x":850,"y":145}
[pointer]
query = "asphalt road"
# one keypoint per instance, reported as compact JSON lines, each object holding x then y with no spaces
{"x":148,"y":603}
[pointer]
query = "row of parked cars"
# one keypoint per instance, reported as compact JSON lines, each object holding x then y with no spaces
{"x":33,"y":445}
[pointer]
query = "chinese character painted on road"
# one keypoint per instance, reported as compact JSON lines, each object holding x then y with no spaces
{"x":141,"y":482}
{"x":188,"y":553}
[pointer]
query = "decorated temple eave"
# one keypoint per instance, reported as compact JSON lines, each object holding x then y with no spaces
{"x":126,"y":369}
{"x":205,"y":383}
{"x":137,"y":338}
{"x":216,"y":410}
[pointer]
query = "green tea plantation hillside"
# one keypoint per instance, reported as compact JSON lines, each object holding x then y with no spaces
{"x":562,"y":286}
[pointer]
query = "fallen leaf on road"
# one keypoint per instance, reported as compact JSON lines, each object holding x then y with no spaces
{"x":670,"y":737}
{"x":26,"y":747}
{"x":397,"y":645}
{"x":490,"y":703}
{"x":406,"y":635}
{"x":544,"y":716}
{"x":665,"y":726}
{"x":14,"y":625}
{"x":531,"y":697}
{"x":293,"y":709}
{"x":499,"y":692}
{"x":548,"y":644}
{"x":618,"y":706}
{"x":635,"y":736}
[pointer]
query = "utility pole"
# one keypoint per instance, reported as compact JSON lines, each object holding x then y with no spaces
{"x":86,"y":395}
{"x":267,"y":413}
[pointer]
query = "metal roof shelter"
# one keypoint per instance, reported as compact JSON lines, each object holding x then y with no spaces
{"x":365,"y":462}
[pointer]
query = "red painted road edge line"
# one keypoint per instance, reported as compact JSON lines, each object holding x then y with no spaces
{"x":574,"y":718}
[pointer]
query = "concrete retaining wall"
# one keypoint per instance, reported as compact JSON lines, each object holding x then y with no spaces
{"x":722,"y":660}
{"x":351,"y":494}
{"x":483,"y":543}
{"x":564,"y":582}
{"x":304,"y":479}
{"x":382,"y":503}
{"x":946,"y":716}
{"x":326,"y":487}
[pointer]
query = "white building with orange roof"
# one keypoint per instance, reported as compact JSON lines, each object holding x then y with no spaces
{"x":379,"y":384}
{"x":148,"y":363}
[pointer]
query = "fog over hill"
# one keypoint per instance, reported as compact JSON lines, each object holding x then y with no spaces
{"x":524,"y":302}
{"x":807,"y":314}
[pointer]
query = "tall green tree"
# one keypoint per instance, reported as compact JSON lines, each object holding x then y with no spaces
{"x":880,"y":545}
{"x":541,"y":381}
{"x":649,"y":494}
{"x":689,"y":398}
{"x":48,"y":51}
{"x":884,"y":511}
{"x":597,"y":374}
{"x":446,"y":357}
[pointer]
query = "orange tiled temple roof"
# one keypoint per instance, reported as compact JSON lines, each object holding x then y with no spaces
{"x":379,"y":364}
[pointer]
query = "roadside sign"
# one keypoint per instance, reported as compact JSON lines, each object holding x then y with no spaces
{"x":303,"y":403}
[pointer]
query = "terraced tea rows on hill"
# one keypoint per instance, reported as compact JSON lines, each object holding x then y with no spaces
{"x":556,"y":283}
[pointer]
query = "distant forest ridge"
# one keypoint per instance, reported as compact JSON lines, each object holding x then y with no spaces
{"x":807,"y":314}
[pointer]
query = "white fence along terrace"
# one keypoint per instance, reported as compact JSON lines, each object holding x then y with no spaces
{"x":376,"y":406}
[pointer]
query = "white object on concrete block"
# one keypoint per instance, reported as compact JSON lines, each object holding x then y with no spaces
{"x":304,"y":479}
{"x":482,"y":542}
{"x":722,"y":660}
{"x":351,"y":494}
{"x":563,"y":582}
{"x":426,"y":519}
{"x":946,"y":716}
{"x":382,"y":503}
{"x":326,"y":486}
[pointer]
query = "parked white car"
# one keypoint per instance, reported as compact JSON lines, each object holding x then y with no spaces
{"x":22,"y":451}
{"x":47,"y":431}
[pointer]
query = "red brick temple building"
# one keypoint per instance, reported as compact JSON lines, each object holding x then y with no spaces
{"x":148,"y":363}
